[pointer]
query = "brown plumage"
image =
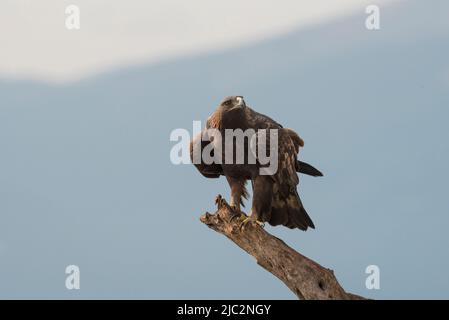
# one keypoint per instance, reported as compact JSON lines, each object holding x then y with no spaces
{"x":275,"y":196}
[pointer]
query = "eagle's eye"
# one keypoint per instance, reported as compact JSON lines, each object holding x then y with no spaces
{"x":227,"y":103}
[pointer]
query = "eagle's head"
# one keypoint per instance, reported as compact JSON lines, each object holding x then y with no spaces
{"x":233,"y":103}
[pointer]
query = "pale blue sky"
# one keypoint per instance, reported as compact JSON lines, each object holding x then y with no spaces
{"x":86,"y":178}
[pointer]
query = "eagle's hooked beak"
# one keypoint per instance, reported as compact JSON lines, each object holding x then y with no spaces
{"x":240,"y":103}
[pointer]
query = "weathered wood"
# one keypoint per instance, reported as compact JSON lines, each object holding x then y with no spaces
{"x":306,"y":278}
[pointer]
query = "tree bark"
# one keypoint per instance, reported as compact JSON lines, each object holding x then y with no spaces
{"x":306,"y":278}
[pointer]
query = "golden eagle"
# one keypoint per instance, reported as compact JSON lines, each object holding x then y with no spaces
{"x":275,"y":196}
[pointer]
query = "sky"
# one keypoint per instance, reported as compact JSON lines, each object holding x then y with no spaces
{"x":115,"y":33}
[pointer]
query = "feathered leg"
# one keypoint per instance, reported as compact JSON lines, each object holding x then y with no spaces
{"x":238,"y":191}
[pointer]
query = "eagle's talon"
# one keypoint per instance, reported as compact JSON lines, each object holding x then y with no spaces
{"x":250,"y":219}
{"x":236,"y":212}
{"x":242,"y":216}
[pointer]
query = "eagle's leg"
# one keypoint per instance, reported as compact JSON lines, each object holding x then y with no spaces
{"x":262,"y":200}
{"x":238,"y":191}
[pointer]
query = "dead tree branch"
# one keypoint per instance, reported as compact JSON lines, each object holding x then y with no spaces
{"x":306,"y":278}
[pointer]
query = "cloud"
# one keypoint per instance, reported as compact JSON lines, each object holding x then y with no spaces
{"x":36,"y":43}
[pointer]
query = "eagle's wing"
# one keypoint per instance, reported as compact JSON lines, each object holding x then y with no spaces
{"x":208,"y":170}
{"x":214,"y":120}
{"x":297,"y":141}
{"x":286,"y":174}
{"x":287,"y":208}
{"x":302,"y":167}
{"x":258,"y":120}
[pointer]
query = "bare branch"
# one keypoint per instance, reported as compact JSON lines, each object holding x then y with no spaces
{"x":306,"y":278}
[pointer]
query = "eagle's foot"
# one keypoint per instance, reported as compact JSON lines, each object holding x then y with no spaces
{"x":251,"y":219}
{"x":240,"y":215}
{"x":236,"y":212}
{"x":234,"y":208}
{"x":221,"y":202}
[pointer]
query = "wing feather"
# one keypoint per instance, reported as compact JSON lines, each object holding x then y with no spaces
{"x":287,"y":206}
{"x":208,"y":170}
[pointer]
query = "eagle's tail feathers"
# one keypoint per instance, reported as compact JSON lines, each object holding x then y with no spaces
{"x":291,"y":213}
{"x":279,"y":214}
{"x":305,"y":168}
